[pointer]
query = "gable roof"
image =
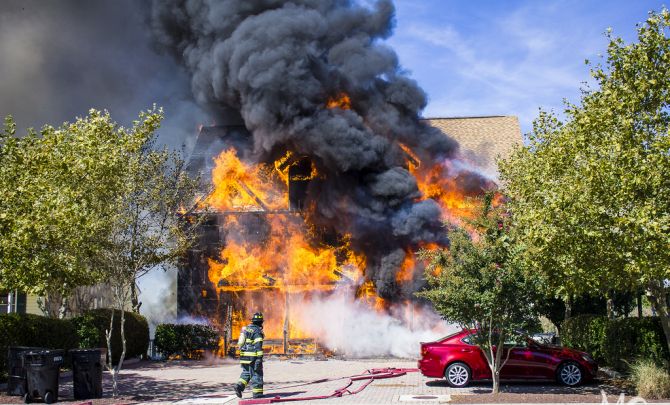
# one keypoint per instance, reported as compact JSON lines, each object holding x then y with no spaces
{"x":482,"y":139}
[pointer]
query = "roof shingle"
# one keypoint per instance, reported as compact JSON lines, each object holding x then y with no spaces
{"x":482,"y":139}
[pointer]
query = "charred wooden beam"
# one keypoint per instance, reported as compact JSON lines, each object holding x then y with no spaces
{"x":342,"y":275}
{"x":289,"y":161}
{"x":271,"y":281}
{"x":252,"y":195}
{"x":412,"y":160}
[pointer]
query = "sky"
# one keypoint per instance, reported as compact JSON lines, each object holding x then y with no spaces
{"x":473,"y":58}
{"x":477,"y":58}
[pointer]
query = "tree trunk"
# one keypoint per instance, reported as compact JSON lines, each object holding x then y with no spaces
{"x":639,"y":305}
{"x":658,"y":298}
{"x":610,"y":305}
{"x":497,"y":364}
{"x":568,"y":308}
{"x":110,"y":363}
{"x":123,"y":340}
{"x":134,"y":298}
{"x":62,"y":309}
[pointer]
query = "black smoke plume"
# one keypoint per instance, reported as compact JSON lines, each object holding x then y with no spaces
{"x":60,"y":58}
{"x":277,"y":63}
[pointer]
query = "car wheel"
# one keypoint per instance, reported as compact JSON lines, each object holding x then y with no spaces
{"x":458,"y":375}
{"x":569,"y":374}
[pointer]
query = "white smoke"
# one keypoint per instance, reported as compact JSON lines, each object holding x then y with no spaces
{"x":352,"y":328}
{"x":158,"y":295}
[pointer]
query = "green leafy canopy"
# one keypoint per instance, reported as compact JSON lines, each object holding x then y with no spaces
{"x":591,"y":193}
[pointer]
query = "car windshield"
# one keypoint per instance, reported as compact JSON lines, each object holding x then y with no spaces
{"x":517,"y":340}
{"x":449,"y":336}
{"x":468,"y":340}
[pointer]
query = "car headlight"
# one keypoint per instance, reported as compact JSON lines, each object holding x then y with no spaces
{"x":587,"y":358}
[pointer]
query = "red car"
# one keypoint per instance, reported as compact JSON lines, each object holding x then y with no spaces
{"x":458,"y":360}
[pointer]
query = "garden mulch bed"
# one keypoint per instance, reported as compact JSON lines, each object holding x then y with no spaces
{"x":509,"y":397}
{"x":553,"y":393}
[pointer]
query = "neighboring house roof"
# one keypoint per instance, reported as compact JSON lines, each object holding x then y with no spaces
{"x":482,"y":139}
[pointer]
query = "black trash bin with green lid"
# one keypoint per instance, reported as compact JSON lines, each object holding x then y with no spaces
{"x":86,"y":373}
{"x":42,"y":372}
{"x":16,"y":383}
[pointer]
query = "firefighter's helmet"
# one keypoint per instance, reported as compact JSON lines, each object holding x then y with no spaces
{"x":257,"y":318}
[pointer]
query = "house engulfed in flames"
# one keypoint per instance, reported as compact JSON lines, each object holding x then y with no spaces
{"x":257,"y":251}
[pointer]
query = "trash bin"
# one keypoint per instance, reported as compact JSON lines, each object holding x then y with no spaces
{"x":86,"y":373}
{"x":42,"y":372}
{"x":16,"y":385}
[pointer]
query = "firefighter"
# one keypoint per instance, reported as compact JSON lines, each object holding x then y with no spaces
{"x":251,"y":357}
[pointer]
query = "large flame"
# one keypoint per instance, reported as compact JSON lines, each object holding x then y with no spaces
{"x":242,"y":187}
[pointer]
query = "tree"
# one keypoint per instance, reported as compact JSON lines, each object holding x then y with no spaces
{"x":148,"y":232}
{"x":56,"y":189}
{"x":91,"y":202}
{"x":481,"y":284}
{"x":591,"y":195}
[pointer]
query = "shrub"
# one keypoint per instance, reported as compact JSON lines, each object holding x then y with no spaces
{"x":187,"y":340}
{"x":629,"y":339}
{"x":618,"y":342}
{"x":137,"y":331}
{"x":34,"y":330}
{"x":89,"y":335}
{"x":651,"y":381}
{"x":587,"y":333}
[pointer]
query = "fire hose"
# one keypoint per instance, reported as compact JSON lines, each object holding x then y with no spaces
{"x":368,"y":376}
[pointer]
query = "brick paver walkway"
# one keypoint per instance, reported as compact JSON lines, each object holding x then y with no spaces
{"x":211,"y":382}
{"x":284,"y":378}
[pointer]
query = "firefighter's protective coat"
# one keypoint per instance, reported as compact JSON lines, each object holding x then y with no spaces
{"x":251,"y":358}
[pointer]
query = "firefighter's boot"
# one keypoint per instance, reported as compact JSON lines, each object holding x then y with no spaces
{"x":238,"y":390}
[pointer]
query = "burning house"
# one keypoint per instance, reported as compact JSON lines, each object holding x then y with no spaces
{"x":325,"y":181}
{"x":258,"y":252}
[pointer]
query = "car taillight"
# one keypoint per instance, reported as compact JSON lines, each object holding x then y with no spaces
{"x":424,"y":351}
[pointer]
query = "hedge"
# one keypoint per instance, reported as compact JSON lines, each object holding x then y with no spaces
{"x":34,"y":330}
{"x":586,"y":333}
{"x":187,"y":341}
{"x":619,"y":342}
{"x":86,"y":331}
{"x":137,"y":331}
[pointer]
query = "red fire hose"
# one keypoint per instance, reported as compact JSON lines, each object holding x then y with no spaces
{"x":369,"y":375}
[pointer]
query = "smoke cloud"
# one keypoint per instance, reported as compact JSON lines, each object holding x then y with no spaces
{"x":158,"y":295}
{"x":353,"y":329}
{"x":59,"y":59}
{"x":278,"y":63}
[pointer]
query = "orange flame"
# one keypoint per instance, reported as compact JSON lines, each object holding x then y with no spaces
{"x":286,"y":263}
{"x":242,"y":187}
{"x":434,"y":184}
{"x":341,"y":101}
